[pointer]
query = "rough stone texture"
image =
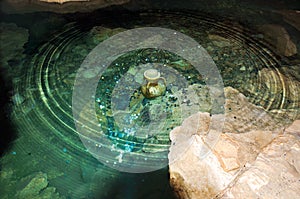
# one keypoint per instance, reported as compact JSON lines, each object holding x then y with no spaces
{"x":262,"y":162}
{"x":242,"y":116}
{"x":63,"y":1}
{"x":59,"y":6}
{"x":36,"y":187}
{"x":220,"y":41}
{"x":274,"y":174}
{"x":197,"y":98}
{"x":294,"y":128}
{"x":188,"y":152}
{"x":277,"y":35}
{"x":12,"y":40}
{"x":100,"y":33}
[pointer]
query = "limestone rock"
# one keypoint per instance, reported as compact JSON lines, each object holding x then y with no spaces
{"x":279,"y":37}
{"x":294,"y":128}
{"x":248,"y":146}
{"x":236,"y":162}
{"x":242,"y":116}
{"x":190,"y":164}
{"x":274,"y":174}
{"x":63,"y":1}
{"x":59,"y":6}
{"x":200,"y":169}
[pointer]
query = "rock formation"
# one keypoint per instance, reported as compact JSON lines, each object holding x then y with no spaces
{"x":63,"y":1}
{"x":34,"y":186}
{"x":258,"y":162}
{"x":59,"y":6}
{"x":13,"y":39}
{"x":279,"y":37}
{"x":292,"y":17}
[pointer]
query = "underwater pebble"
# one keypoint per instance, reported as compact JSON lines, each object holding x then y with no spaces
{"x":243,"y":68}
{"x":17,"y":99}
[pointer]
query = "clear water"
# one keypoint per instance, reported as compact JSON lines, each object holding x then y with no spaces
{"x":47,"y":140}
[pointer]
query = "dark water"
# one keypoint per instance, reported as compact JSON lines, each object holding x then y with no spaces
{"x":39,"y":101}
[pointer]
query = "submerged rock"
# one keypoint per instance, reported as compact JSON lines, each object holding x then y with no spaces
{"x":100,"y":33}
{"x":33,"y":186}
{"x":36,"y":187}
{"x":17,"y":99}
{"x":220,"y":41}
{"x":280,"y":38}
{"x":12,"y":43}
{"x":292,"y":17}
{"x":277,"y":83}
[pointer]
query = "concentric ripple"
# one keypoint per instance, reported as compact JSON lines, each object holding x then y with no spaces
{"x":46,"y":113}
{"x":244,"y":61}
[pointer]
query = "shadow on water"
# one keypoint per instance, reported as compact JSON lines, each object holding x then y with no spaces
{"x":152,"y":185}
{"x":8,"y":134}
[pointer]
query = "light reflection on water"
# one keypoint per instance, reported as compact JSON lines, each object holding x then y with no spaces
{"x":44,"y":118}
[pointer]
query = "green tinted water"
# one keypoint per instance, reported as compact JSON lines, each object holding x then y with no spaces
{"x":48,"y":146}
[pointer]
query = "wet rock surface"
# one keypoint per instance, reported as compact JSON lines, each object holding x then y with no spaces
{"x":33,"y":186}
{"x":292,"y":17}
{"x":274,"y":174}
{"x":277,"y":36}
{"x":12,"y":40}
{"x":250,"y":162}
{"x":59,"y":6}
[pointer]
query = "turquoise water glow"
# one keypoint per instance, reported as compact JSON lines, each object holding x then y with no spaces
{"x":48,"y":146}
